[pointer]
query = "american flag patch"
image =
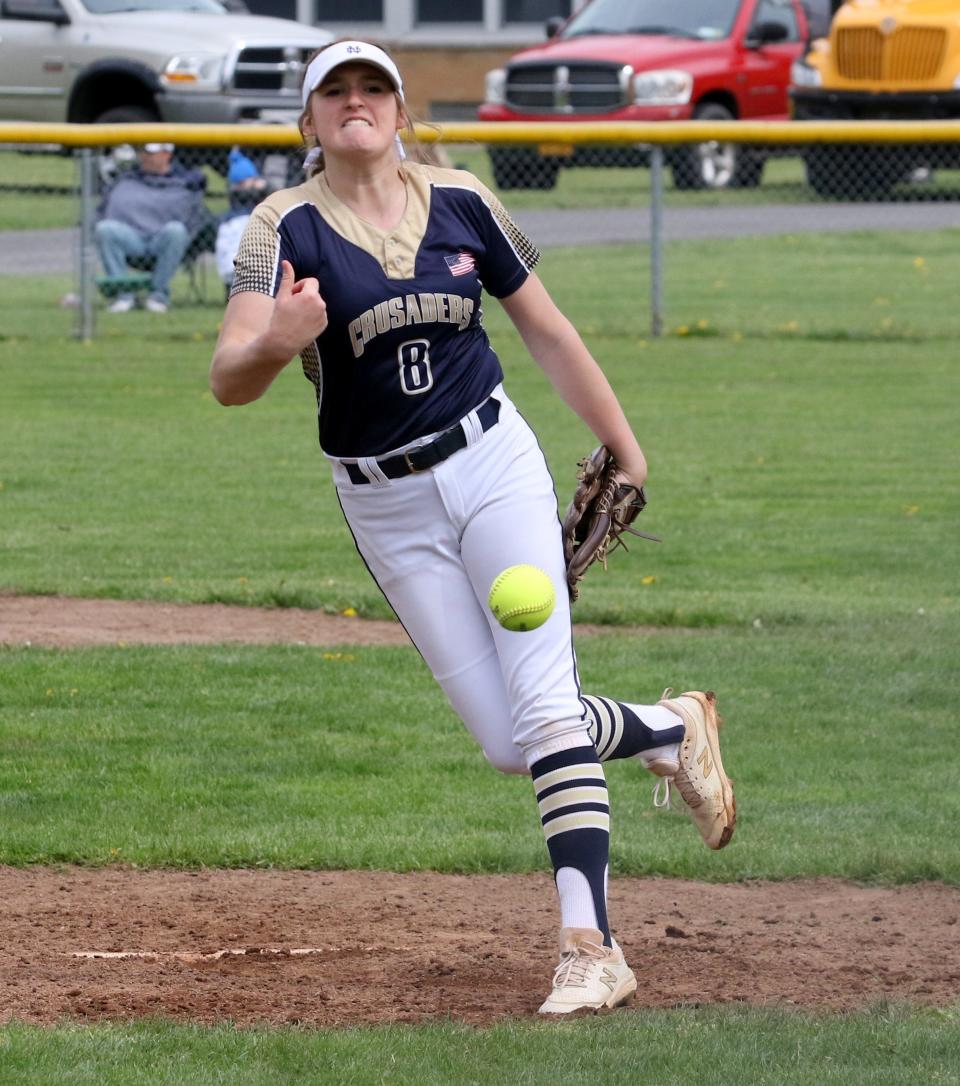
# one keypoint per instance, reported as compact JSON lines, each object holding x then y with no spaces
{"x":460,"y":264}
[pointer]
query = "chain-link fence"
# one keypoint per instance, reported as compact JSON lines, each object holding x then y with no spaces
{"x":850,"y":172}
{"x":730,"y":184}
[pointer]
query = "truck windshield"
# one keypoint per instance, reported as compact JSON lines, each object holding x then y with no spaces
{"x":706,"y":20}
{"x":111,"y":7}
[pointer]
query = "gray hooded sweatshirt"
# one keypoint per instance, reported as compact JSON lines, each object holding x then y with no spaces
{"x":148,"y":201}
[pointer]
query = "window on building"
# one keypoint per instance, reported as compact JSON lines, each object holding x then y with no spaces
{"x":442,"y":11}
{"x":401,"y":17}
{"x":534,"y":11}
{"x":360,"y":11}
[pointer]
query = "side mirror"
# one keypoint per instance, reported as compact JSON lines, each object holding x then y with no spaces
{"x":36,"y":11}
{"x":766,"y":34}
{"x":553,"y":24}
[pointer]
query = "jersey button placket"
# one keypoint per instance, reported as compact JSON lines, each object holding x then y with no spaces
{"x":391,"y":256}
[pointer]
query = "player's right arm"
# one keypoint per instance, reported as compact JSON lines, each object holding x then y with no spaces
{"x":261,"y":334}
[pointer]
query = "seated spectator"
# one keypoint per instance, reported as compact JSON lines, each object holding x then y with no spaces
{"x":247,"y":188}
{"x":151,"y":210}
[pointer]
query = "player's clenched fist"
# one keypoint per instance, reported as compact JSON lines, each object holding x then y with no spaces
{"x":300,"y":313}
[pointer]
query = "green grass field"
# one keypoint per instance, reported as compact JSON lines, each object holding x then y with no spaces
{"x":884,"y":1047}
{"x":800,"y":421}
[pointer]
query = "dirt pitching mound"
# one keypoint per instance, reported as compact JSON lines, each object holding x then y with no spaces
{"x":347,"y":948}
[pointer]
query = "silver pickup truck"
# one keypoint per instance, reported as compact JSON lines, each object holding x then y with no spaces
{"x":114,"y":61}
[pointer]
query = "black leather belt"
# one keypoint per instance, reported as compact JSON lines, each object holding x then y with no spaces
{"x":435,"y":452}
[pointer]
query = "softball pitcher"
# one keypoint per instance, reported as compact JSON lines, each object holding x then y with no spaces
{"x":372,"y":272}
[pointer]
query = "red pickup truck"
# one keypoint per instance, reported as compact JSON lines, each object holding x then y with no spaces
{"x":653,"y":60}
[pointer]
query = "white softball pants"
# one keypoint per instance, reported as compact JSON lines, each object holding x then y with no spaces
{"x":434,"y":541}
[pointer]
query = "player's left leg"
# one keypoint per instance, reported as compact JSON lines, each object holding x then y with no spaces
{"x":504,"y":526}
{"x":574,"y":809}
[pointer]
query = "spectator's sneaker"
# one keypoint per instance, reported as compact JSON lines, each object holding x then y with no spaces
{"x":590,"y":977}
{"x":156,"y":304}
{"x":698,"y":775}
{"x":123,"y":303}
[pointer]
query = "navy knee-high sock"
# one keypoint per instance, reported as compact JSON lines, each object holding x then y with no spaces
{"x":575,"y":812}
{"x":618,"y":732}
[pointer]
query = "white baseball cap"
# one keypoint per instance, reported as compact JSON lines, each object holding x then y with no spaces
{"x":153,"y":148}
{"x":349,"y":52}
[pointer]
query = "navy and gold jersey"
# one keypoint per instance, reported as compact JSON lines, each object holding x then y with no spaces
{"x":405,"y":353}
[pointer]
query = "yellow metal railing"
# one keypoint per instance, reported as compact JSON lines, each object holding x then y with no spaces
{"x":783,"y":133}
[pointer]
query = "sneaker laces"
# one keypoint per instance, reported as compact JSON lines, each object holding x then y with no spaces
{"x":575,"y":964}
{"x":661,"y":790}
{"x":661,"y":794}
{"x":680,"y":780}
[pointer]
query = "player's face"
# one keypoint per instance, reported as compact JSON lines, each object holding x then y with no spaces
{"x":354,"y":112}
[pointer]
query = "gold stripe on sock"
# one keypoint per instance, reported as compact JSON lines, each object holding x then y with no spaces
{"x":589,"y":770}
{"x":579,"y":820}
{"x":571,"y":796}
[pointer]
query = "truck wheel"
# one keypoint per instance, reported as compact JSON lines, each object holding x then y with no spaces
{"x":710,"y":165}
{"x":522,"y":168}
{"x":127,"y":115}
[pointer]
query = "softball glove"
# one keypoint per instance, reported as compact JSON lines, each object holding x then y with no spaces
{"x":601,"y":512}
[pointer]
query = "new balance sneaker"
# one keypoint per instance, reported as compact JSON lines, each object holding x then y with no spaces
{"x":123,"y":303}
{"x":698,"y":774}
{"x":590,"y":976}
{"x":156,"y":304}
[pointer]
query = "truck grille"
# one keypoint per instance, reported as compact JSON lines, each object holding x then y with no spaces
{"x":274,"y":69}
{"x":908,"y":55}
{"x":577,"y":87}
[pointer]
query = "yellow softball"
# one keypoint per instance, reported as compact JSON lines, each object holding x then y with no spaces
{"x":522,"y":598}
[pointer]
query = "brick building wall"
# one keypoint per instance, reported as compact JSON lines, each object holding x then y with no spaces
{"x":445,"y":83}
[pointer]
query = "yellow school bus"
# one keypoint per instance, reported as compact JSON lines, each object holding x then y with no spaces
{"x":882,"y":60}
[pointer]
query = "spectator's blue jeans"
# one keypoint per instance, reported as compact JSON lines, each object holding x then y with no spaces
{"x":116,"y":242}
